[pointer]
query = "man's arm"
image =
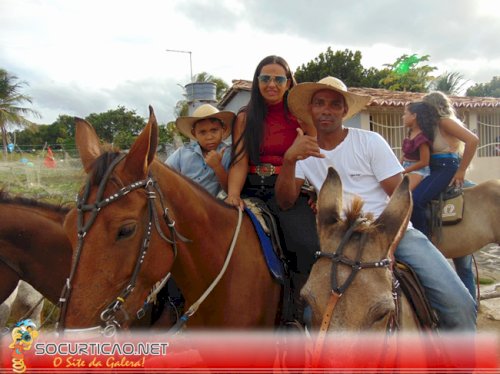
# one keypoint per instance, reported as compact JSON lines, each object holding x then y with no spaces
{"x":390,"y":184}
{"x":287,"y":187}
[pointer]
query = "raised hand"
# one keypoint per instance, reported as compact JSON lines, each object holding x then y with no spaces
{"x":303,"y":147}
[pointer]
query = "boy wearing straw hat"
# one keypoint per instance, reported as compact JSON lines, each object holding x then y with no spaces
{"x":206,"y":159}
{"x":369,"y":169}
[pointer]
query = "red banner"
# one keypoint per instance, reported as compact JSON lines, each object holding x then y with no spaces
{"x":250,"y":352}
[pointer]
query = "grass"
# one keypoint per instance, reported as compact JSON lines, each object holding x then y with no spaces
{"x":33,"y":179}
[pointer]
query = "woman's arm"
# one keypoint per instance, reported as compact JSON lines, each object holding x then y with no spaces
{"x":452,"y":127}
{"x":424,"y":158}
{"x":238,"y":171}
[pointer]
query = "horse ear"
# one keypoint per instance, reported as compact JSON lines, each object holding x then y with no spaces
{"x":87,"y":142}
{"x":330,"y":199}
{"x":394,"y":219}
{"x":143,"y":151}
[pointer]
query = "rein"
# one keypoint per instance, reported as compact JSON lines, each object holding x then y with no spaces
{"x":193,"y":308}
{"x":108,"y":315}
{"x":336,"y":290}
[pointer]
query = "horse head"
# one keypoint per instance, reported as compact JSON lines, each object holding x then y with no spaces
{"x":110,"y":231}
{"x":354,"y":262}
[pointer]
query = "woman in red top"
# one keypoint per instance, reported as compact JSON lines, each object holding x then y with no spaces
{"x":262,"y":133}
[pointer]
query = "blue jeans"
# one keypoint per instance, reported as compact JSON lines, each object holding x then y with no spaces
{"x":442,"y":172}
{"x":455,"y":307}
{"x":463,"y":266}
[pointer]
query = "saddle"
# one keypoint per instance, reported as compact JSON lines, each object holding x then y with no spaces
{"x":267,"y":231}
{"x":414,"y":292}
{"x":448,"y":209}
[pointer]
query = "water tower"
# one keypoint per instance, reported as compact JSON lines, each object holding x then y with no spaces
{"x":200,"y":93}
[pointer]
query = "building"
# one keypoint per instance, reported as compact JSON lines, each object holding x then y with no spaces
{"x":384,"y":112}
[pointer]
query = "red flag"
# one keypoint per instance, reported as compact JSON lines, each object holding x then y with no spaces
{"x":49,"y":161}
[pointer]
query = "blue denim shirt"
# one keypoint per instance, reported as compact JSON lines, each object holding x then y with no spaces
{"x":188,"y":160}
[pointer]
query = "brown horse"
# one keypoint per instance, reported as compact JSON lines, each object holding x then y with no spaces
{"x":479,"y":225}
{"x":365,"y":292}
{"x":33,"y":246}
{"x":126,"y":234}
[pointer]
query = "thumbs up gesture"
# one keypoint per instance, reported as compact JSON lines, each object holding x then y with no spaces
{"x":303,"y":147}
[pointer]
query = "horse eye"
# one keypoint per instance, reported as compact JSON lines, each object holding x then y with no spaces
{"x":126,"y":231}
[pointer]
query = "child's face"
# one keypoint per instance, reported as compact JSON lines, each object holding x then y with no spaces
{"x":409,"y":118}
{"x":208,"y":134}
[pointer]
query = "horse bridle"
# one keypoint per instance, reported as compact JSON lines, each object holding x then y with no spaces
{"x":109,"y":314}
{"x":338,"y":290}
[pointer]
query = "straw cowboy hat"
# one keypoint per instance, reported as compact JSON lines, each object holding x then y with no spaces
{"x":205,"y":111}
{"x":301,"y":95}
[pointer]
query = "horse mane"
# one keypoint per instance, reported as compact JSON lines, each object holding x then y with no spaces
{"x":6,"y":198}
{"x":354,"y":212}
{"x":102,"y":163}
{"x":100,"y":166}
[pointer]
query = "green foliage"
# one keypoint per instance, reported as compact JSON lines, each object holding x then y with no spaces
{"x":220,"y":86}
{"x":118,"y":127}
{"x":182,"y":107}
{"x":449,"y":83}
{"x":491,"y":89}
{"x":406,"y":75}
{"x":61,"y":133}
{"x":11,"y":109}
{"x":345,"y":65}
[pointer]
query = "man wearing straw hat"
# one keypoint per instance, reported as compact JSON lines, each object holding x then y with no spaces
{"x":206,"y":160}
{"x":369,"y":169}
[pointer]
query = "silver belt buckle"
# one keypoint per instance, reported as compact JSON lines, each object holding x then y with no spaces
{"x":265,"y":170}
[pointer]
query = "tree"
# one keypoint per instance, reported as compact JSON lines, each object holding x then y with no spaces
{"x":491,"y":89}
{"x":345,"y":65}
{"x":449,"y":83}
{"x":405,"y":75}
{"x":117,"y":126}
{"x":11,"y":111}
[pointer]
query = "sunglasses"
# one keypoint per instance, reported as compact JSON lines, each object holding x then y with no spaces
{"x":280,"y":80}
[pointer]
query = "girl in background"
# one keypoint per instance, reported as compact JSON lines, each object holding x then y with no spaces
{"x":421,"y":119}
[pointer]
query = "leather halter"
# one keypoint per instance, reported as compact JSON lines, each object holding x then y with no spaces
{"x":338,"y":290}
{"x":108,"y":315}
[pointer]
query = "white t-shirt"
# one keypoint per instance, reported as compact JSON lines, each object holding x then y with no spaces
{"x":362,"y":160}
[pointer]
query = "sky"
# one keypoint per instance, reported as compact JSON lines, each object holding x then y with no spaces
{"x":81,"y":57}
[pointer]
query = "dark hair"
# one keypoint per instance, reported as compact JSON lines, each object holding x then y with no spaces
{"x":256,"y":111}
{"x":427,"y":117}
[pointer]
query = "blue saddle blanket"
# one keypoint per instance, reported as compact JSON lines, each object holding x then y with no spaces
{"x":274,"y":263}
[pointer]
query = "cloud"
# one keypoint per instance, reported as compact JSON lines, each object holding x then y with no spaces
{"x":53,"y":99}
{"x":208,"y":15}
{"x":83,"y":57}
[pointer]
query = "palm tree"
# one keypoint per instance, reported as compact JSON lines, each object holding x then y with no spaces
{"x":449,"y":83}
{"x":10,"y":110}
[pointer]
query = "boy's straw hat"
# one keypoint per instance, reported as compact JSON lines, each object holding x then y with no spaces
{"x":185,"y":124}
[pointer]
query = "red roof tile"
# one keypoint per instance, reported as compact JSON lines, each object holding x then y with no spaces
{"x":383,"y":97}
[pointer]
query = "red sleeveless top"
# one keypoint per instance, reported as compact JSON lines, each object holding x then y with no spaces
{"x":279,"y":134}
